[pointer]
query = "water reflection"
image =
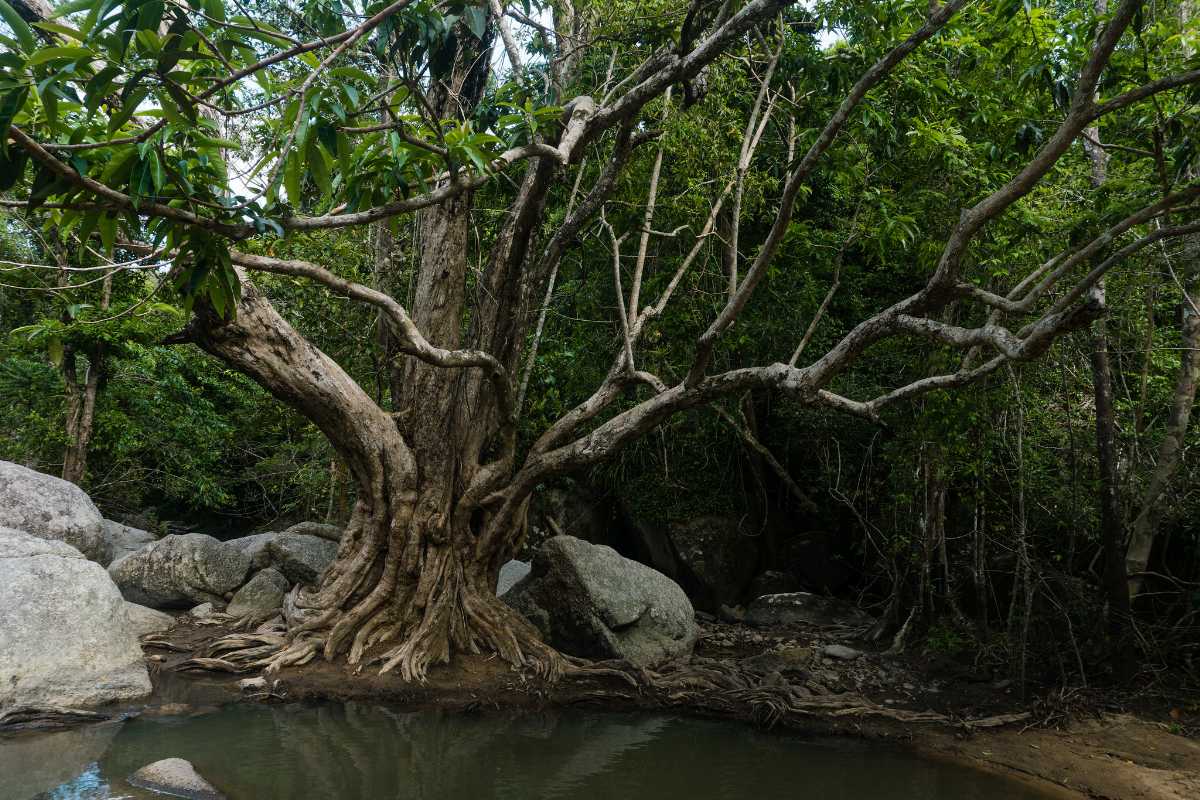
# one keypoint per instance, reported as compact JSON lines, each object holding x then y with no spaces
{"x":357,"y":751}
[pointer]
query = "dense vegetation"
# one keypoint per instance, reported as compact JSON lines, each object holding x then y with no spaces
{"x":966,"y":504}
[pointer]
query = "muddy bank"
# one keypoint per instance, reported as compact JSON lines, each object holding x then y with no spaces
{"x":786,"y":678}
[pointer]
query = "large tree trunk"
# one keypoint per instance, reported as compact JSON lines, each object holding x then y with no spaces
{"x":410,"y":583}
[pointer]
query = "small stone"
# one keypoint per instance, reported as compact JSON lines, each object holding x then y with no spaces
{"x":511,"y":573}
{"x":258,"y":684}
{"x":840,"y":651}
{"x":177,"y":777}
{"x":202,"y":611}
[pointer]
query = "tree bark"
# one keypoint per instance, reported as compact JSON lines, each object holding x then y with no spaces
{"x":1170,"y":450}
{"x":1112,"y":534}
{"x":408,"y":586}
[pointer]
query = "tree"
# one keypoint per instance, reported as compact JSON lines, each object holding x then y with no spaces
{"x":401,"y":108}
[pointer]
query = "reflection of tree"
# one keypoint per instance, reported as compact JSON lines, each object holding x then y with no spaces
{"x":336,"y":752}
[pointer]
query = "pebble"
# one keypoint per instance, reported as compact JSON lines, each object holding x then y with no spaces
{"x":840,"y":651}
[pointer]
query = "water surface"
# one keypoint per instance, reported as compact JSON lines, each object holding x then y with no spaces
{"x":338,"y":752}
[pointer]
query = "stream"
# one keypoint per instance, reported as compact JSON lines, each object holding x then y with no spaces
{"x":259,"y":752}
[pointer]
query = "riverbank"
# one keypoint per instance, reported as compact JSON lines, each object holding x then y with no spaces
{"x":814,"y":681}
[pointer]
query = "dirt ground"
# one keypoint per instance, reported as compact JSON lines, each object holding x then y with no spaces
{"x":1082,"y":749}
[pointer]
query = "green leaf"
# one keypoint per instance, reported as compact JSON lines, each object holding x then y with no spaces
{"x":127,"y":110}
{"x":12,"y":167}
{"x":10,"y":103}
{"x":291,"y":178}
{"x":476,"y":19}
{"x":97,"y":87}
{"x":59,"y":53}
{"x":54,"y":349}
{"x":19,"y":28}
{"x":318,"y":168}
{"x":71,"y":7}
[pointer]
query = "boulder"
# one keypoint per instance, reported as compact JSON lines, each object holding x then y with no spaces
{"x":510,"y":574}
{"x":180,"y":571}
{"x":261,"y":597}
{"x":301,"y":558}
{"x":51,"y":508}
{"x":255,"y":546}
{"x":321,"y":530}
{"x":716,"y":559}
{"x":589,"y":601}
{"x":145,"y":620}
{"x":123,"y":540}
{"x":802,"y":608}
{"x":175,"y":776}
{"x":65,"y":637}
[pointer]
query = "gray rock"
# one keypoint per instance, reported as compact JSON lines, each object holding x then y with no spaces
{"x":145,"y":620}
{"x":261,"y":597}
{"x":180,"y":571}
{"x":716,"y":559}
{"x":65,"y":637}
{"x":175,"y":776}
{"x":255,"y":546}
{"x":589,"y":601}
{"x":258,"y":684}
{"x":319,"y":529}
{"x":301,"y":558}
{"x":123,"y":540}
{"x":840,"y":651}
{"x":202,"y":611}
{"x":51,"y":508}
{"x":510,"y":574}
{"x":799,"y":608}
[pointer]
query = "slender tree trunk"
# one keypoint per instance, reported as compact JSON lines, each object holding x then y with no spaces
{"x":1112,"y":534}
{"x":81,"y":398}
{"x":1170,"y":450}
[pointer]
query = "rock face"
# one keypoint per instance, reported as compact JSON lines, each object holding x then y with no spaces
{"x":319,"y":529}
{"x":262,"y":595}
{"x":175,"y":776}
{"x":145,"y":620}
{"x":510,"y":575}
{"x":589,"y":601}
{"x":301,"y":558}
{"x":51,"y":508}
{"x":123,"y":540}
{"x":803,"y":608}
{"x":65,"y":638}
{"x":180,"y":571}
{"x":716,"y":559}
{"x":255,"y":546}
